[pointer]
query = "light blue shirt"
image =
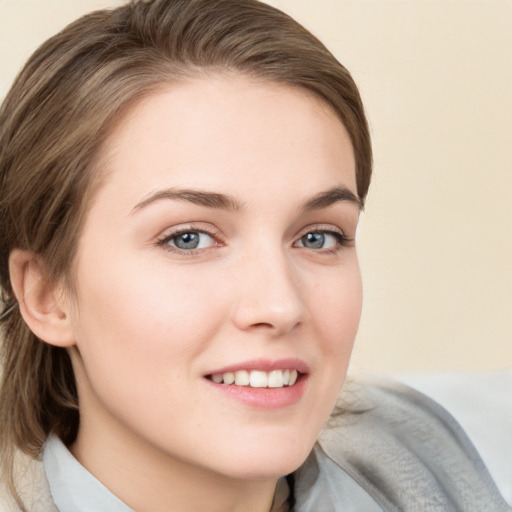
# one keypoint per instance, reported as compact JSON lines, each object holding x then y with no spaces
{"x":73,"y":488}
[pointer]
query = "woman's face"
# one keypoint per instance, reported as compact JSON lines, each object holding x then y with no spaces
{"x":220,"y":247}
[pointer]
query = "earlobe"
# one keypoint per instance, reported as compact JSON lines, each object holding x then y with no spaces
{"x":42,"y":304}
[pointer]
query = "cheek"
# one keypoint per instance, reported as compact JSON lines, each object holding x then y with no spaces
{"x":336,"y":308}
{"x":133,"y":322}
{"x":336,"y":313}
{"x":139,"y":340}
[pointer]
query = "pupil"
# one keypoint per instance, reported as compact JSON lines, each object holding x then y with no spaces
{"x":314,"y":240}
{"x":188,"y":241}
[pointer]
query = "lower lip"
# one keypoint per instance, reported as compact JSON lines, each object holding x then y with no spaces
{"x":264,"y":398}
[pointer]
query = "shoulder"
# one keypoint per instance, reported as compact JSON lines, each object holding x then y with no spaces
{"x":406,"y":451}
{"x":31,"y":485}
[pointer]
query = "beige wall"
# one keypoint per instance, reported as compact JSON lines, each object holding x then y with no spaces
{"x":436,"y":239}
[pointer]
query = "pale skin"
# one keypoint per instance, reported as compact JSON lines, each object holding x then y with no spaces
{"x":151,"y":321}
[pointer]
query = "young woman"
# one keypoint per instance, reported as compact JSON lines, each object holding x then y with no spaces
{"x":181,"y":185}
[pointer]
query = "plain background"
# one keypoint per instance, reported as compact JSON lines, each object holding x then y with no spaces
{"x":435,"y":241}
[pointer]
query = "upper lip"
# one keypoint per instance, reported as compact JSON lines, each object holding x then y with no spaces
{"x":266,"y":365}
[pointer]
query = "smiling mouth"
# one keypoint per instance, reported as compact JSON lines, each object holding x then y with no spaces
{"x":257,"y":378}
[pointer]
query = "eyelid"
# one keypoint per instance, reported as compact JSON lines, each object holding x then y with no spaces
{"x":320,"y":228}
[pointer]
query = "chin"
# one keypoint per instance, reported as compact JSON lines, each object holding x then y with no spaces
{"x":269,"y":463}
{"x":268,"y":451}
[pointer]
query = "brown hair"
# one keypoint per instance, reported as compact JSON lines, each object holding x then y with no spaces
{"x":54,"y":120}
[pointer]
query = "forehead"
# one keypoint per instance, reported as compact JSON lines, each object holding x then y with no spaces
{"x":220,"y":129}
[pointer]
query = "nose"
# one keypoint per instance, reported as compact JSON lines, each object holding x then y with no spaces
{"x":269,"y":295}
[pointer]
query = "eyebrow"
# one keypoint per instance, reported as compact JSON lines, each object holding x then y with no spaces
{"x":226,"y":202}
{"x":330,"y":197}
{"x":201,"y":198}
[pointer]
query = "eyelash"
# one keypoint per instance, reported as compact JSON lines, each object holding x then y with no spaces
{"x":341,"y":240}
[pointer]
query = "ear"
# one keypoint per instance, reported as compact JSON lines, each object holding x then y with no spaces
{"x":42,"y":304}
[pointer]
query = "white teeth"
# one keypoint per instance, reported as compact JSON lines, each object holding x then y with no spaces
{"x":257,"y":378}
{"x":275,"y":379}
{"x":228,"y":377}
{"x":242,"y":378}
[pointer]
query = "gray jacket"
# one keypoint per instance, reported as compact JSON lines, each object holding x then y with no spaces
{"x":385,"y":448}
{"x":388,"y":447}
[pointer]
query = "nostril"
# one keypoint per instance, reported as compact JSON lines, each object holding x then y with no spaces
{"x":263,"y":325}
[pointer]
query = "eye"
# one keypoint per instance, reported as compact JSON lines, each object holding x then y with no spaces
{"x":189,"y":240}
{"x":322,"y":240}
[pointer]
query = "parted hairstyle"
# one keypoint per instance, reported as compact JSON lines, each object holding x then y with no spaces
{"x":54,"y":120}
